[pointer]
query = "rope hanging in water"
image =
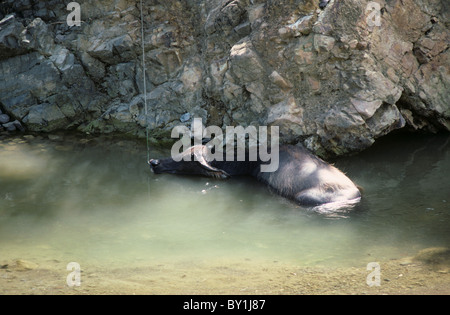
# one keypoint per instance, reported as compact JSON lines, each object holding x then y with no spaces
{"x":145,"y":83}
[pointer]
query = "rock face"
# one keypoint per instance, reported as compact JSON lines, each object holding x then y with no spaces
{"x":334,"y":79}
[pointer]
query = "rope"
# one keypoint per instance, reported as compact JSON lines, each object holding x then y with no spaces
{"x":145,"y":83}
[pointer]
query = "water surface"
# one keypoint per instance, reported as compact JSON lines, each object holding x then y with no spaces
{"x":94,"y":201}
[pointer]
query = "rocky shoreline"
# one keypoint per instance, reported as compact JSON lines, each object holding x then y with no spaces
{"x":7,"y":125}
{"x":334,"y":78}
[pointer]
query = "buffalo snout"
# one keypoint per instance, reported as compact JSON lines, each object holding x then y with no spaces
{"x":154,"y":165}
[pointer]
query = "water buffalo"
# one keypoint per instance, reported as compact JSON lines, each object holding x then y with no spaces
{"x":301,"y":176}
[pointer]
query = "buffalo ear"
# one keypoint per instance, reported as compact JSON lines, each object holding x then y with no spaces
{"x":216,"y":172}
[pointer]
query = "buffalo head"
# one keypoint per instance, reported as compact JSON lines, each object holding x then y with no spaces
{"x":193,"y":161}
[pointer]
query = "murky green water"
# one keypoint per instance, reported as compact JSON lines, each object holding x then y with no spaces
{"x":94,"y":201}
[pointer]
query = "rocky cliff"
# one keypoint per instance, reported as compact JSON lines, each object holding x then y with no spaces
{"x":334,"y":79}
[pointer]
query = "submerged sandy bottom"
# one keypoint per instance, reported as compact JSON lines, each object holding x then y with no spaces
{"x":399,"y":276}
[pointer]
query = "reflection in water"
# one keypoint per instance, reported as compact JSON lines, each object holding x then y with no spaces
{"x":96,"y":202}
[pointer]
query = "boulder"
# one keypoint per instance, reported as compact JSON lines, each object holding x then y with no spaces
{"x":4,"y":118}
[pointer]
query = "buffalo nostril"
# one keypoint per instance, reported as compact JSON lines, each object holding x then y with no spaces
{"x":154,"y":163}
